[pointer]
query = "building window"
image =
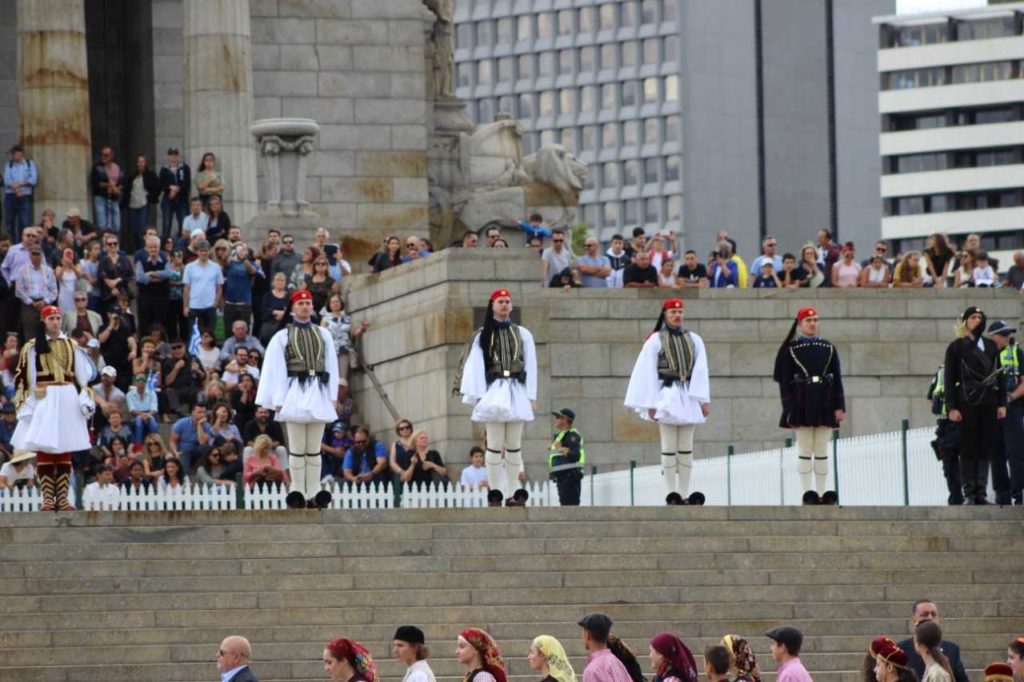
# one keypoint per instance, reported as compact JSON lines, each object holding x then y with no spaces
{"x":585,"y":16}
{"x":651,"y":171}
{"x":590,"y":182}
{"x":631,"y":212}
{"x":464,"y":74}
{"x":611,"y":214}
{"x":566,"y":101}
{"x":671,"y":49}
{"x":544,"y":25}
{"x":606,"y":17}
{"x":545,"y":64}
{"x":464,"y":36}
{"x":650,"y":90}
{"x":669,"y":10}
{"x":671,"y":168}
{"x":524,"y":28}
{"x":608,"y":96}
{"x":483,"y":33}
{"x":672,"y":88}
{"x":608,"y":57}
{"x":505,"y":32}
{"x":507,"y":104}
{"x":909,"y":205}
{"x":526,"y":105}
{"x":916,"y":121}
{"x":506,"y":69}
{"x":627,"y":13}
{"x":587,"y":59}
{"x":1000,"y":115}
{"x":610,"y":174}
{"x":912,"y":36}
{"x":565,"y":22}
{"x":608,"y":134}
{"x":588,"y":98}
{"x":546,"y":104}
{"x":547,"y":137}
{"x":648,"y":11}
{"x":994,"y":157}
{"x":982,"y":29}
{"x":916,"y":78}
{"x":919,"y":163}
{"x":565,"y":61}
{"x":671,"y":129}
{"x":483,"y":72}
{"x":629,"y":53}
{"x":652,"y":131}
{"x":630,"y":132}
{"x":675,"y":208}
{"x":650,"y":50}
{"x":525,"y":66}
{"x":485,"y":110}
{"x":977,"y":73}
{"x":588,"y":140}
{"x":568,"y":138}
{"x":631,"y":174}
{"x":652,"y":212}
{"x":629,"y":93}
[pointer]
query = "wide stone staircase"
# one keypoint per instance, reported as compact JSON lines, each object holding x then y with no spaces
{"x":147,"y":596}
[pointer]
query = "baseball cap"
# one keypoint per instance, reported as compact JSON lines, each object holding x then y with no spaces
{"x":565,"y":412}
{"x":109,"y":371}
{"x":1001,"y":327}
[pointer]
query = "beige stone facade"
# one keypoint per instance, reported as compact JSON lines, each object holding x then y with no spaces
{"x":891,"y":342}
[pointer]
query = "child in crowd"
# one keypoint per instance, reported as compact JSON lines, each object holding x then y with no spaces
{"x":767,"y":279}
{"x":475,"y":475}
{"x":982,"y":275}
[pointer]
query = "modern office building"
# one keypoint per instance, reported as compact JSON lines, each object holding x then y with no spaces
{"x":752,"y":116}
{"x":952,"y":126}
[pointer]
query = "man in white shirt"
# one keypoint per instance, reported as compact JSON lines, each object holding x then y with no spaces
{"x":409,"y":647}
{"x":204,"y":288}
{"x":102,"y":493}
{"x":196,"y":219}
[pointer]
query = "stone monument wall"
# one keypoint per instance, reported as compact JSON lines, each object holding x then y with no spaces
{"x":421,"y":315}
{"x":357,"y":68}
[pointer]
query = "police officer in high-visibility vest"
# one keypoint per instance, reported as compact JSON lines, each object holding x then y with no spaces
{"x":1008,"y":453}
{"x":566,"y":458}
{"x":947,"y":439}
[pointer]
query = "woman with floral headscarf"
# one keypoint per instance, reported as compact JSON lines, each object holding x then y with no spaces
{"x":349,"y":661}
{"x":476,"y":650}
{"x":671,"y":660}
{"x":547,"y":656}
{"x":743,"y":660}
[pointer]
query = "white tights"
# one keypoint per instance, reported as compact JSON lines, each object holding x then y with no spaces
{"x":503,"y":473}
{"x":812,"y":449}
{"x":304,"y":462}
{"x":677,"y":456}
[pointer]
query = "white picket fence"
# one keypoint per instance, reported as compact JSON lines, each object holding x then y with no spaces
{"x":866,"y":470}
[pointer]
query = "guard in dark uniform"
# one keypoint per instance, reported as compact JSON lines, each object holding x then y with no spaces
{"x":946,"y":444}
{"x":566,"y":458}
{"x":813,"y":403}
{"x":976,"y":399}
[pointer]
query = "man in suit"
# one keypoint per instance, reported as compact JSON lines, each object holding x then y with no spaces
{"x":925,"y":610}
{"x":233,"y":660}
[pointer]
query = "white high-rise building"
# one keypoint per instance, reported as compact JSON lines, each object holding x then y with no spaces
{"x":952,"y":131}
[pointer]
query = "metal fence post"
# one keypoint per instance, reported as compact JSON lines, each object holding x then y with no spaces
{"x":239,"y":492}
{"x":782,"y":476}
{"x":728,"y":474}
{"x":593,"y":472}
{"x":904,"y":427}
{"x":835,"y":458}
{"x":632,"y":482}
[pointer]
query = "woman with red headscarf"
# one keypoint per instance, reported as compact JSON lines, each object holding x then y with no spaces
{"x":813,"y":404}
{"x":671,"y":660}
{"x":476,"y":650}
{"x":346,"y":660}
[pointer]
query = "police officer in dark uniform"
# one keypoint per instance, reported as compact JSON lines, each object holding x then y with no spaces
{"x":566,"y":458}
{"x":947,"y":439}
{"x":1008,"y":453}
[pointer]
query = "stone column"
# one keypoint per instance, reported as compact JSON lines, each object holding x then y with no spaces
{"x":53,"y":101}
{"x":218,"y":98}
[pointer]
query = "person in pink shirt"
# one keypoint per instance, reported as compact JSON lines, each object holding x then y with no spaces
{"x":786,"y":642}
{"x":602,"y":664}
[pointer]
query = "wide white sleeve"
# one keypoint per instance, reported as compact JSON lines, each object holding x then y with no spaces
{"x":85,"y":370}
{"x":474,"y":379}
{"x":644,"y":386}
{"x":700,"y":381}
{"x":530,"y":360}
{"x":330,"y":363}
{"x":274,"y":374}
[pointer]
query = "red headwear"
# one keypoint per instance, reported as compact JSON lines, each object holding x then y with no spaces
{"x":998,"y":672}
{"x":888,"y":651}
{"x":490,"y":655}
{"x":500,"y":293}
{"x":804,"y":313}
{"x":673,"y":304}
{"x":49,"y":310}
{"x":302,"y":295}
{"x":677,"y":656}
{"x":357,"y":655}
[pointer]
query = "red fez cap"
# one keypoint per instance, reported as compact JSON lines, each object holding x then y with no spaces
{"x":888,"y":651}
{"x":500,"y":293}
{"x":804,"y":313}
{"x":673,"y":304}
{"x":302,"y":295}
{"x":998,"y":672}
{"x":49,"y":310}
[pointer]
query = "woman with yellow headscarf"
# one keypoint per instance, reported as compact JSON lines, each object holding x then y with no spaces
{"x":547,"y":656}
